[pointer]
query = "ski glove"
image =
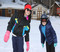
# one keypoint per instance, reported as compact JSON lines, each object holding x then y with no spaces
{"x":7,"y":35}
{"x":26,"y":28}
{"x":55,"y":44}
{"x":27,"y":43}
{"x":42,"y":45}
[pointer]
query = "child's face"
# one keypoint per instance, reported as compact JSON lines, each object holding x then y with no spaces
{"x":43,"y":23}
{"x":27,"y":12}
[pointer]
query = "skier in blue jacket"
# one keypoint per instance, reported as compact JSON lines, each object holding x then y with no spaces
{"x":47,"y":34}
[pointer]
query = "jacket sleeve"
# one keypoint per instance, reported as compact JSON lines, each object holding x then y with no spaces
{"x":42,"y":36}
{"x":54,"y":34}
{"x":11,"y":23}
{"x":27,"y":32}
{"x":29,"y":18}
{"x":27,"y":35}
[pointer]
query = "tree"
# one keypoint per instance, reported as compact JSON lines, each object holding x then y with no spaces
{"x":58,"y":0}
{"x":13,"y":0}
{"x":0,"y":5}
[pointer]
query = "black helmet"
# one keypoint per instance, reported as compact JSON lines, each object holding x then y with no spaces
{"x":44,"y":16}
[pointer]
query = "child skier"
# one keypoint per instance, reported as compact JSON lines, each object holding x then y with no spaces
{"x":47,"y":34}
{"x":20,"y":26}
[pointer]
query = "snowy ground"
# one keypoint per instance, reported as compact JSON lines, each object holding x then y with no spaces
{"x":35,"y":45}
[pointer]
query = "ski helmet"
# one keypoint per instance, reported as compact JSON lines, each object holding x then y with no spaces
{"x":44,"y":18}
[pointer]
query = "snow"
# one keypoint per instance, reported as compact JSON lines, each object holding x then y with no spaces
{"x":12,"y":5}
{"x":5,"y":1}
{"x":9,"y":1}
{"x":9,"y":4}
{"x":35,"y":39}
{"x":20,"y":2}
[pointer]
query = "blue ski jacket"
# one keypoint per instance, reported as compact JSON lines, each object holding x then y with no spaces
{"x":50,"y":34}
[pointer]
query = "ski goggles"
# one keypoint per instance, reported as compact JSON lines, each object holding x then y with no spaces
{"x":44,"y":20}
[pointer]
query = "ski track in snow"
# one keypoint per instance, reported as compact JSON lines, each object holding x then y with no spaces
{"x":35,"y":39}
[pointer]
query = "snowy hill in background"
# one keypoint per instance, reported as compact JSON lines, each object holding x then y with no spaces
{"x":35,"y":40}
